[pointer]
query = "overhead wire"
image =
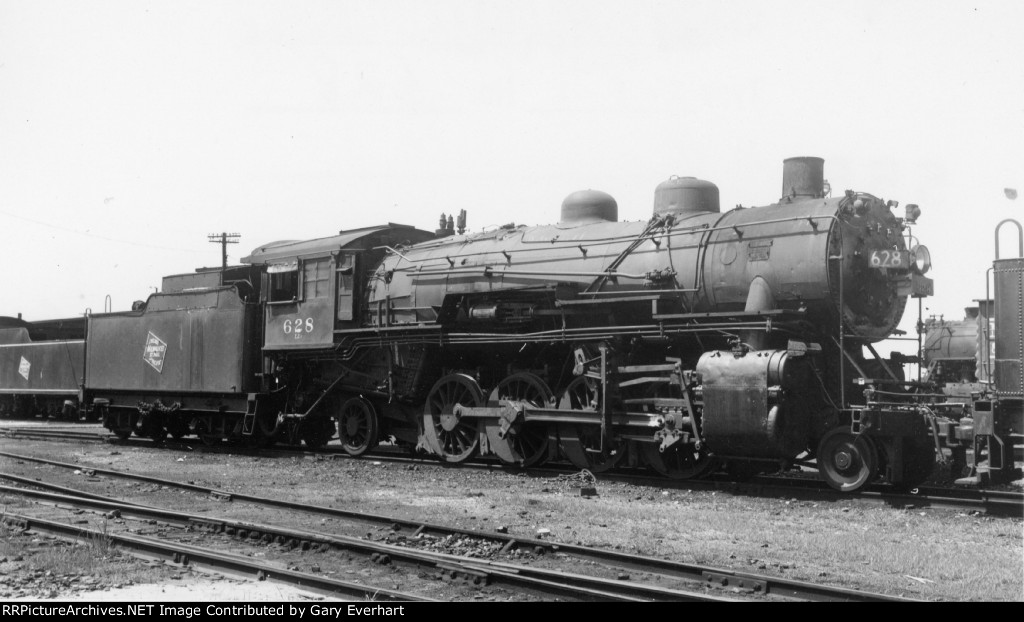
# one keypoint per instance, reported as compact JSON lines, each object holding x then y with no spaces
{"x":96,"y":235}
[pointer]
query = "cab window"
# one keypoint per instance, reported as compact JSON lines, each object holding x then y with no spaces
{"x":315,"y":278}
{"x":284,"y":282}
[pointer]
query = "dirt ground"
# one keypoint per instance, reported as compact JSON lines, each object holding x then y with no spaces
{"x":202,"y":589}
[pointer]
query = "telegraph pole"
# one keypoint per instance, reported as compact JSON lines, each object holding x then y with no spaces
{"x":224,"y":239}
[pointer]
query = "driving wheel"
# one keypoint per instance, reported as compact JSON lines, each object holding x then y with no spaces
{"x":582,"y":443}
{"x":451,"y":437}
{"x":524,"y":444}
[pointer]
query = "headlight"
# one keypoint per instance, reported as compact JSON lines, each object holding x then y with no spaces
{"x":921,"y":258}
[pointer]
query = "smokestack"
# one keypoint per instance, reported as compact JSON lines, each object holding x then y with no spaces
{"x":803,"y":178}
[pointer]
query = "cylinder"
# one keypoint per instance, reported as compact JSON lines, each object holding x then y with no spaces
{"x":685,"y":195}
{"x":752,"y":405}
{"x":803,"y":178}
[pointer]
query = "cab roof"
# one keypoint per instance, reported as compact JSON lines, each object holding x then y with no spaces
{"x":289,"y":249}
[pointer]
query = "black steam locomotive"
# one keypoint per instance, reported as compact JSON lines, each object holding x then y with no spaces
{"x":694,"y":340}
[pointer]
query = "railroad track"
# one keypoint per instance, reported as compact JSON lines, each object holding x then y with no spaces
{"x":537,"y":581}
{"x":202,"y":558}
{"x":29,"y":432}
{"x":992,"y":502}
{"x":664,"y":571}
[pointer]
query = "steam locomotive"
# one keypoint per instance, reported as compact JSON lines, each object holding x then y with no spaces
{"x":694,"y":340}
{"x":974,"y":374}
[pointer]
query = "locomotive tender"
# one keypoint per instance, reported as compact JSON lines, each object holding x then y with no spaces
{"x":692,"y":340}
{"x":41,"y":366}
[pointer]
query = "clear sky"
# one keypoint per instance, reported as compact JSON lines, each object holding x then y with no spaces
{"x":130,"y":130}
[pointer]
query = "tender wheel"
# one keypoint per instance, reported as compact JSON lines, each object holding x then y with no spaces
{"x":846,"y":461}
{"x":525,"y":444}
{"x":158,"y":436}
{"x":582,"y":443}
{"x":680,"y":461}
{"x":449,"y":436}
{"x":178,"y":429}
{"x":121,"y":424}
{"x":203,"y":431}
{"x":357,"y":426}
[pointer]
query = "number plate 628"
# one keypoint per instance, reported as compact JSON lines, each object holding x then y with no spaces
{"x":889,"y":259}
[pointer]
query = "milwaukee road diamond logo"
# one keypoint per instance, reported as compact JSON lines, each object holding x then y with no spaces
{"x":24,"y":368}
{"x":154,"y":352}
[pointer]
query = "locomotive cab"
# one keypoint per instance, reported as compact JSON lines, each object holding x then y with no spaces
{"x":299,"y":301}
{"x":312,"y":297}
{"x":313,"y":289}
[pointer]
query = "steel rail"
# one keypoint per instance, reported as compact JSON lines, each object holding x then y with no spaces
{"x":995,"y":502}
{"x":547,"y":581}
{"x":61,"y":434}
{"x":186,"y":555}
{"x":692,"y":572}
{"x":992,"y":502}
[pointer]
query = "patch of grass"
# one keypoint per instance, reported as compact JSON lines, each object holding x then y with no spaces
{"x":8,"y":547}
{"x":94,"y":554}
{"x":53,"y":563}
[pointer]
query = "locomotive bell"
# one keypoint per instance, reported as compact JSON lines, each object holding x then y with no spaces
{"x":685,"y":195}
{"x":586,"y":206}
